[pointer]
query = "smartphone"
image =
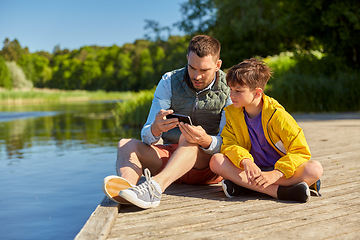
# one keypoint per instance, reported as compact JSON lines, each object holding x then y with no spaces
{"x":182,"y":118}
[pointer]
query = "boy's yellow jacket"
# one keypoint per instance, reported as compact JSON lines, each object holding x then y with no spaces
{"x":280,"y":129}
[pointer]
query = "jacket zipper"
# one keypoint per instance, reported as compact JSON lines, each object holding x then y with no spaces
{"x":195,"y":106}
{"x":268,"y":132}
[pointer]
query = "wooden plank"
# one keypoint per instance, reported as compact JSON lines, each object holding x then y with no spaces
{"x":216,"y":218}
{"x":204,"y":212}
{"x":100,"y":222}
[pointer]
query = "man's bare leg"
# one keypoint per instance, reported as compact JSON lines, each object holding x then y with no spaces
{"x":186,"y":157}
{"x":133,"y":156}
{"x":148,"y":194}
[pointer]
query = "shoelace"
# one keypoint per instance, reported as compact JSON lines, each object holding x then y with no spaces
{"x":146,"y":186}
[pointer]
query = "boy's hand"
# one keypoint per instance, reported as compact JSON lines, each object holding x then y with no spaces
{"x":161,"y":124}
{"x":195,"y":134}
{"x":267,"y":178}
{"x":251,"y":169}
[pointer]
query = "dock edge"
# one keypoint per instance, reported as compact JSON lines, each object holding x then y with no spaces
{"x":99,"y":224}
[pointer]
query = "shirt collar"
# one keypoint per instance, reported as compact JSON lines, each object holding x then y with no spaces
{"x":208,"y":87}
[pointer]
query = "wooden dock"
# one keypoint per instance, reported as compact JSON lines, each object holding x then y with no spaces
{"x":204,"y":212}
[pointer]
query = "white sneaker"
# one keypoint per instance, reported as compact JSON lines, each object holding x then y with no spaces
{"x":112,"y":185}
{"x":145,"y":195}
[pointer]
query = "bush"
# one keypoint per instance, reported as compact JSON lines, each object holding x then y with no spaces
{"x":134,"y":112}
{"x":18,"y":76}
{"x":308,"y":82}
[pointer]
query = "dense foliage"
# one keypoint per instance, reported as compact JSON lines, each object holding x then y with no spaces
{"x":320,"y":40}
{"x":131,"y":67}
{"x":313,"y":83}
{"x":5,"y":79}
{"x":250,"y":28}
{"x":326,"y":81}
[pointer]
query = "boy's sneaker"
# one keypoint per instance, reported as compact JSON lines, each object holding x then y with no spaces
{"x":112,"y":185}
{"x":145,"y":195}
{"x":315,"y":189}
{"x":231,"y":189}
{"x":299,"y":192}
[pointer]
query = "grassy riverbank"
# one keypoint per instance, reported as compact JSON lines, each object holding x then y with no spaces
{"x":54,"y":95}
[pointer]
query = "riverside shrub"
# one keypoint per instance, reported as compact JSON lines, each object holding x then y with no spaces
{"x":134,"y":112}
{"x":311,"y":82}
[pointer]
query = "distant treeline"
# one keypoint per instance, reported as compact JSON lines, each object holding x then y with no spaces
{"x":131,"y":67}
{"x":312,"y":46}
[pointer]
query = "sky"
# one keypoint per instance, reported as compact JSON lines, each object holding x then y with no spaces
{"x":41,"y":25}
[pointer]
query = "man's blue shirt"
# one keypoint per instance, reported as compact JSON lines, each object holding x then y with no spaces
{"x":162,"y":100}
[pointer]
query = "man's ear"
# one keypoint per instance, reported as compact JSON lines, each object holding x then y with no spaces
{"x":218,"y":64}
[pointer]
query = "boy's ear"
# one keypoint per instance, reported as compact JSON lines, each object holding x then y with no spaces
{"x":258,"y":92}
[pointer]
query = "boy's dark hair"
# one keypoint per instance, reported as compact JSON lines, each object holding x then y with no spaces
{"x":204,"y":45}
{"x":250,"y":72}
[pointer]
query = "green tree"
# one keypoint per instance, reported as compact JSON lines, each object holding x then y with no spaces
{"x":158,"y":58}
{"x":124,"y":75}
{"x":157,"y":31}
{"x":175,"y":52}
{"x":132,"y":67}
{"x":88,"y":72}
{"x":333,"y":26}
{"x":65,"y":72}
{"x":36,"y":68}
{"x":107,"y":58}
{"x":198,"y":16}
{"x":34,"y":65}
{"x":262,"y":27}
{"x":245,"y":28}
{"x":12,"y":50}
{"x":5,"y":77}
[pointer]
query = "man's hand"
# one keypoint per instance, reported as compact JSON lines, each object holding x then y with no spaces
{"x":267,"y":178}
{"x":195,"y":134}
{"x":161,"y":124}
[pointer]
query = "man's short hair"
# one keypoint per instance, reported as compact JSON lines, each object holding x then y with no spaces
{"x":251,"y":72}
{"x":204,"y":45}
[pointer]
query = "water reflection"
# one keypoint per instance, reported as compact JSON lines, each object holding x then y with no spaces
{"x":87,"y":123}
{"x":52,"y":162}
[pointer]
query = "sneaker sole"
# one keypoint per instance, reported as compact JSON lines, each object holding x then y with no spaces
{"x":112,"y":185}
{"x":132,"y":198}
{"x":224,"y":187}
{"x":315,"y":189}
{"x":314,"y":193}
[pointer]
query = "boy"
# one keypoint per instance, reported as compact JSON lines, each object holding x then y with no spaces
{"x":263,"y":147}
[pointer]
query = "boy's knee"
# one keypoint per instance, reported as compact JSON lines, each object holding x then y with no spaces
{"x":315,"y":169}
{"x":319,"y":169}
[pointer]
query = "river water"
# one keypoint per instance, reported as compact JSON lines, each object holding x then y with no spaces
{"x":53,"y":158}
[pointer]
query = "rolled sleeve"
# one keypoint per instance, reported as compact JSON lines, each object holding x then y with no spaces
{"x":162,"y":100}
{"x":214,"y":146}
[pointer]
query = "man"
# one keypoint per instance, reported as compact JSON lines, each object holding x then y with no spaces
{"x":198,"y":90}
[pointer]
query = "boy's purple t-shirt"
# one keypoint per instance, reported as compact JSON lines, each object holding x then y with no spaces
{"x":263,"y":153}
